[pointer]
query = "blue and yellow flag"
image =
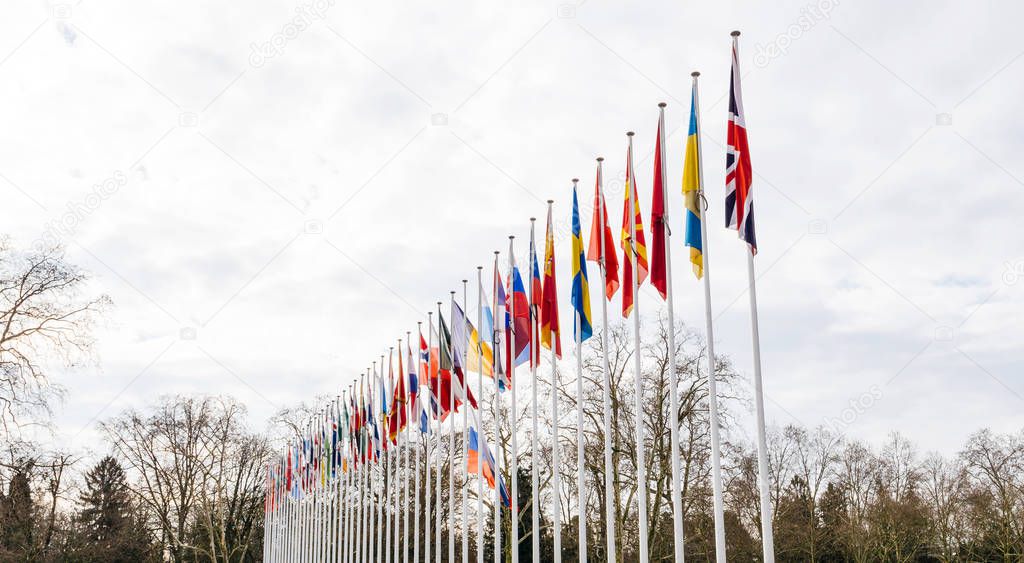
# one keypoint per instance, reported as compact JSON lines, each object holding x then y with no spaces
{"x":691,"y":190}
{"x":580,"y":285}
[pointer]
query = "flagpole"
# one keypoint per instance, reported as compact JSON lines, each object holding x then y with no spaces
{"x":383,"y":536}
{"x":609,"y":494}
{"x":767,"y":536}
{"x":405,"y":454}
{"x":556,"y":513}
{"x":440,"y":461}
{"x":465,"y":431}
{"x":451,"y":448}
{"x":534,"y":355}
{"x":398,"y":476}
{"x":360,"y":543}
{"x":641,"y":462}
{"x":581,"y":488}
{"x":416,"y":462}
{"x":677,"y":493}
{"x":480,"y":430}
{"x":514,"y":512}
{"x":426,"y":440}
{"x":401,"y":495}
{"x":388,"y":473}
{"x":497,"y":408}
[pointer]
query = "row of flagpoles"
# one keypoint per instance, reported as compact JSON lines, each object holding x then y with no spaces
{"x":342,"y":490}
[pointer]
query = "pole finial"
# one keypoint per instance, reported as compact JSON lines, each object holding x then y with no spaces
{"x":662,"y":104}
{"x":510,"y":237}
{"x":600,"y":159}
{"x":735,"y":33}
{"x":497,"y":252}
{"x":695,"y":74}
{"x":630,"y":133}
{"x":575,"y":180}
{"x":479,"y":267}
{"x":532,"y":219}
{"x":550,"y":201}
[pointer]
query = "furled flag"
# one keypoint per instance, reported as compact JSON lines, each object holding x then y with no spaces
{"x":519,"y":314}
{"x":498,"y":327}
{"x":631,"y":200}
{"x":460,"y":335}
{"x":549,"y":332}
{"x":448,"y":384}
{"x":415,"y":401}
{"x":397,"y":421}
{"x":603,"y":252}
{"x":477,"y":345}
{"x":580,"y":284}
{"x":479,"y":457}
{"x":691,"y":190}
{"x":739,"y":203}
{"x":536,"y":300}
{"x":659,"y":230}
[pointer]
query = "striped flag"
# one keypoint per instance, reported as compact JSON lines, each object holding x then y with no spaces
{"x":631,"y":200}
{"x":691,"y":190}
{"x":739,"y":204}
{"x":549,"y":332}
{"x":580,"y":284}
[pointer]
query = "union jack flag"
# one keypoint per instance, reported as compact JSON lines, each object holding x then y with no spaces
{"x":739,"y":203}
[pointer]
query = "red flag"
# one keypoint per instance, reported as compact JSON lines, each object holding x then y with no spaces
{"x":398,"y":418}
{"x":631,"y":200}
{"x":599,"y":228}
{"x":549,"y":310}
{"x":659,"y":271}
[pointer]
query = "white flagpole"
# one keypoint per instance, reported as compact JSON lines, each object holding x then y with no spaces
{"x":388,"y":453}
{"x":556,"y":485}
{"x":480,"y":430}
{"x":405,"y":452}
{"x":437,"y":447}
{"x":609,"y":484}
{"x":497,"y":410}
{"x":383,"y":554}
{"x":464,"y":489}
{"x":398,"y":477}
{"x":440,"y":460}
{"x":416,"y":459}
{"x":451,"y":445}
{"x":767,"y":535}
{"x":641,"y":461}
{"x":514,"y":543}
{"x":427,"y":544}
{"x":359,"y":477}
{"x":580,"y":473}
{"x":534,"y":356}
{"x":677,"y":492}
{"x":716,"y":456}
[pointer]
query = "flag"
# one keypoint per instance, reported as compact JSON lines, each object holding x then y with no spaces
{"x":659,"y":234}
{"x":480,"y":458}
{"x":460,"y":336}
{"x":417,"y":413}
{"x":549,"y":332}
{"x":398,"y":419}
{"x":739,"y":205}
{"x":580,"y":284}
{"x":477,"y":346}
{"x":631,"y":200}
{"x":519,"y":314}
{"x":691,"y":190}
{"x":536,"y":300}
{"x":498,"y":327}
{"x":599,"y":228}
{"x":444,"y":383}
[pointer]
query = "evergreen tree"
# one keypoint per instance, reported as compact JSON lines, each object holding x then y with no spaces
{"x":18,"y":516}
{"x":110,"y":527}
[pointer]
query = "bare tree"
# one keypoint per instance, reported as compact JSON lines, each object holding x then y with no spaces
{"x":43,"y":317}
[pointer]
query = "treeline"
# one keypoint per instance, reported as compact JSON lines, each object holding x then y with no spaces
{"x":184,"y":482}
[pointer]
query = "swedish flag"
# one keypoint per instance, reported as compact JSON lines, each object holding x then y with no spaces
{"x":580,"y":285}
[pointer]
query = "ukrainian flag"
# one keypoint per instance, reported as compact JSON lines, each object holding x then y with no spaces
{"x":580,"y":285}
{"x":691,"y":190}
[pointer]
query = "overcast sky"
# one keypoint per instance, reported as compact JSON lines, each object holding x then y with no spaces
{"x":285,"y":188}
